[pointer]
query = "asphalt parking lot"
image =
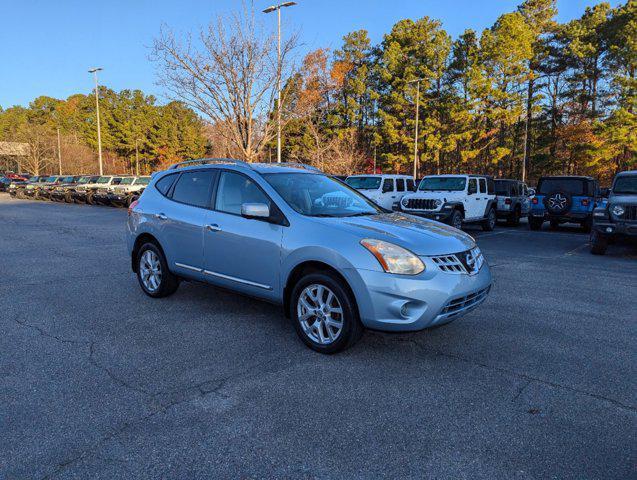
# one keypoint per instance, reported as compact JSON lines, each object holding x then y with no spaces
{"x":99,"y":381}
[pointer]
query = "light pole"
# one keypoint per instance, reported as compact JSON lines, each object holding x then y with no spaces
{"x":59,"y":152}
{"x":97,"y":110}
{"x":270,"y":9}
{"x":417,"y":82}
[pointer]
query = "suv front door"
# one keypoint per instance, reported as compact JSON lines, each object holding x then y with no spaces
{"x":473,"y":205}
{"x":242,"y":253}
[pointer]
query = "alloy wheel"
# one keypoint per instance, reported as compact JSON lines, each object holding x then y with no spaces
{"x":150,"y":270}
{"x":320,"y":314}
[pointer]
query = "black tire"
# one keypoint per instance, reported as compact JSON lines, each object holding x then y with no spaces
{"x":555,"y":224}
{"x":587,"y":225}
{"x":555,"y":207}
{"x":89,"y":199}
{"x":455,"y":220}
{"x":535,"y":223}
{"x":514,"y":219}
{"x":352,"y":328}
{"x":489,"y":223}
{"x":168,"y":283}
{"x":68,"y":197}
{"x":599,"y":243}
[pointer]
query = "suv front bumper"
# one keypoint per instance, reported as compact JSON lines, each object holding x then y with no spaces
{"x":441,"y":215}
{"x":401,"y":303}
{"x":608,"y":229}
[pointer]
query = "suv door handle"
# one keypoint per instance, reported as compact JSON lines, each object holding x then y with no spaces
{"x":161,"y":216}
{"x":213,"y":228}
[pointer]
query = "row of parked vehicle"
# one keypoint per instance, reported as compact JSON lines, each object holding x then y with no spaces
{"x":114,"y":190}
{"x":457,"y":199}
{"x":463,"y":199}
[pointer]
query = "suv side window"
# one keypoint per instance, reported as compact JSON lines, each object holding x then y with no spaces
{"x":193,"y":188}
{"x":400,"y":184}
{"x":116,"y":181}
{"x":483,"y":185}
{"x":388,"y":185}
{"x":490,"y":186}
{"x":164,"y":183}
{"x":236,"y":189}
{"x":411,"y":186}
{"x":473,"y":186}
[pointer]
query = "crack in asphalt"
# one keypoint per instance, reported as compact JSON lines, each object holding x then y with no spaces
{"x":180,"y":395}
{"x":528,"y":378}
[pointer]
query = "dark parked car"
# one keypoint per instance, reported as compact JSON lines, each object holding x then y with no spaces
{"x":616,"y":217}
{"x":513,"y":199}
{"x":4,"y":184}
{"x":63,"y":191}
{"x":565,"y":199}
{"x":31,"y":187}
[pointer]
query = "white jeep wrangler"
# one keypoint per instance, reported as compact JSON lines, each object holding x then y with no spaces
{"x":383,"y":189}
{"x":454,"y":199}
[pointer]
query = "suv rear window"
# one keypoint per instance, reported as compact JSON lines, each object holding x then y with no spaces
{"x":502,"y":187}
{"x":193,"y":188}
{"x":164,"y":183}
{"x":574,"y":186}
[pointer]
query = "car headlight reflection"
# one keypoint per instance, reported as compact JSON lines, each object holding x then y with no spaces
{"x":392,"y":258}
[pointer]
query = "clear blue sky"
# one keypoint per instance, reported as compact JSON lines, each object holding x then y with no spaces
{"x":46,"y":46}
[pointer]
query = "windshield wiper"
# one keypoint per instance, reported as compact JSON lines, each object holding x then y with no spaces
{"x":361,"y":214}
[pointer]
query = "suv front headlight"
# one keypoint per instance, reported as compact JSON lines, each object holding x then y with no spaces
{"x":617,"y":210}
{"x":392,"y":258}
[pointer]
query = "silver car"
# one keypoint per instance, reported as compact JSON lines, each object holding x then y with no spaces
{"x":292,"y":235}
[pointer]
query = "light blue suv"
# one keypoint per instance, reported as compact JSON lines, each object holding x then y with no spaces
{"x":294,"y":236}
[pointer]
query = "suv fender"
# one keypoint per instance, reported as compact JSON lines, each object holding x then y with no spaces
{"x":491,"y":205}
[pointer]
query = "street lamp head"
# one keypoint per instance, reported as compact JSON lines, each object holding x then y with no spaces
{"x":288,"y":4}
{"x":274,"y":8}
{"x":96,"y":69}
{"x":270,"y":9}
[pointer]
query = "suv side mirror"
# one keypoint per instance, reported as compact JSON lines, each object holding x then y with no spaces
{"x":388,"y":187}
{"x":473,"y":189}
{"x":255,"y":210}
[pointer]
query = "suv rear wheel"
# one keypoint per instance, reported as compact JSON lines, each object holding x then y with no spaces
{"x":514,"y":219}
{"x":489,"y":222}
{"x":324,"y":313}
{"x":153,"y":274}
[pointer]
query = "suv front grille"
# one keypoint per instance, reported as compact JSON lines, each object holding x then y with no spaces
{"x":631,"y":213}
{"x":463,"y":304}
{"x":421,"y":204}
{"x":469,"y":262}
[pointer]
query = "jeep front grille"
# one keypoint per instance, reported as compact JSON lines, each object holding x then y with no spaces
{"x":631,"y":212}
{"x":421,"y":204}
{"x":469,"y":262}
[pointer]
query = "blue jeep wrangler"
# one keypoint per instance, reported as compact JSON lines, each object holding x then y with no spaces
{"x":566,"y":199}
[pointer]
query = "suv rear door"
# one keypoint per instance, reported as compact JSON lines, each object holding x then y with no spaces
{"x":242,"y":253}
{"x":181,"y":217}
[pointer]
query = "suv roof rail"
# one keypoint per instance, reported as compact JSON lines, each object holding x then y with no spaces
{"x":293,"y":164}
{"x":203,"y":161}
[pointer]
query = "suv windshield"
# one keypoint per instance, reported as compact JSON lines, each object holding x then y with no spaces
{"x":67,"y":179}
{"x":364,"y":183}
{"x":319,"y":195}
{"x":574,"y":186}
{"x":51,"y":179}
{"x":127,"y":181}
{"x":103,"y":180}
{"x":625,"y":184}
{"x":447,"y":184}
{"x":142,"y":181}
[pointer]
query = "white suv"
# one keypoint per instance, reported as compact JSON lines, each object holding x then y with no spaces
{"x":454,"y":199}
{"x":384,"y":190}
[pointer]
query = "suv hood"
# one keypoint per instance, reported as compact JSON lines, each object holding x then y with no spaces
{"x":436,"y":195}
{"x":623,"y":199}
{"x":421,"y":236}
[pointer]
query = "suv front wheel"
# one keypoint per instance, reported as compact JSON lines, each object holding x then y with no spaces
{"x":599,"y":243}
{"x":153,"y":274}
{"x":324,"y":313}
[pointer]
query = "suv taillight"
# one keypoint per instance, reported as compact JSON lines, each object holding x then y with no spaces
{"x":586,"y":202}
{"x":535,"y":202}
{"x":132,"y":206}
{"x":507,"y":201}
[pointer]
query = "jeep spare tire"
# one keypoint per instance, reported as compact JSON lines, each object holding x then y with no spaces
{"x":558,"y":202}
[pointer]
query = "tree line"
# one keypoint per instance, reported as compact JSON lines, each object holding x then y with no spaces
{"x":138,"y":135}
{"x":525,"y":97}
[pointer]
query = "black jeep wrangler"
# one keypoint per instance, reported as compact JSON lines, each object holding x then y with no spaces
{"x":616,"y":217}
